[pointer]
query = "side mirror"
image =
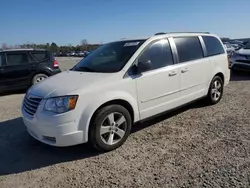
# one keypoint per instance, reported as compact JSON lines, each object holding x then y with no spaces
{"x":144,"y":65}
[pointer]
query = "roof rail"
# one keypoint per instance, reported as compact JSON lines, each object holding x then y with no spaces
{"x":163,"y":33}
{"x":160,"y":33}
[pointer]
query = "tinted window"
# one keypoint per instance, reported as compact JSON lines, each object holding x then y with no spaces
{"x":110,"y":57}
{"x":40,"y":56}
{"x":1,"y":60}
{"x":213,"y":45}
{"x":159,"y":53}
{"x":17,"y":59}
{"x":189,"y":48}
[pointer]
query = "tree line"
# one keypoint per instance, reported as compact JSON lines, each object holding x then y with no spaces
{"x":53,"y":47}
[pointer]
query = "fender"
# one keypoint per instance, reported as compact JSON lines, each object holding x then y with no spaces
{"x":216,"y":71}
{"x":99,"y":100}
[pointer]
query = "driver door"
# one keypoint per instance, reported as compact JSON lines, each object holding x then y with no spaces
{"x":158,"y":88}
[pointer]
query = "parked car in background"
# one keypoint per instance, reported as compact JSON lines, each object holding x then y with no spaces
{"x":235,"y":46}
{"x":229,"y":48}
{"x":246,"y":42}
{"x":124,"y":82}
{"x":86,"y":53}
{"x":72,"y":53}
{"x":21,"y":68}
{"x":80,"y":54}
{"x":237,"y":42}
{"x":240,"y":59}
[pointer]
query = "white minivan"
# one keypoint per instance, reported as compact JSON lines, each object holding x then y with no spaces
{"x":124,"y":82}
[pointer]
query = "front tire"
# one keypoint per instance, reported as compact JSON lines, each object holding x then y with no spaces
{"x":215,"y":91}
{"x":110,"y":128}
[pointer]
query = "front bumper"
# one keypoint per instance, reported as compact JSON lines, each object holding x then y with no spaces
{"x":53,"y":132}
{"x":238,"y":65}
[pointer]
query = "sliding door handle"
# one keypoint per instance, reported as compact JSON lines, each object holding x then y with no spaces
{"x":172,"y":73}
{"x":184,"y":70}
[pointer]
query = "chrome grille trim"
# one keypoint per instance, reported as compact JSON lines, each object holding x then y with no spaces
{"x":31,"y":103}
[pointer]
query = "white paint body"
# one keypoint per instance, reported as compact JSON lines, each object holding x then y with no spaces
{"x":149,"y":94}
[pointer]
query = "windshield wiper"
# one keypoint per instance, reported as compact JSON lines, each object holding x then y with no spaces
{"x":84,"y":69}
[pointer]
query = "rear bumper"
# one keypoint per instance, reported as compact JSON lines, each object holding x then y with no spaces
{"x":55,"y":71}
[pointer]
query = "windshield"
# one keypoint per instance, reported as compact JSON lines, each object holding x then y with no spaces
{"x":110,"y":57}
{"x":247,"y":46}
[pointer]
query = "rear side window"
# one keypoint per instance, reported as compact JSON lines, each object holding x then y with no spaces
{"x":188,"y":48}
{"x":159,"y":53}
{"x":213,"y":45}
{"x":17,"y":59}
{"x":40,"y":56}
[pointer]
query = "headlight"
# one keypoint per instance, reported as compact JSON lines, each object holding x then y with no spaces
{"x":61,"y":104}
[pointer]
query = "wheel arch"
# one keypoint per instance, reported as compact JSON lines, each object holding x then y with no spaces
{"x":89,"y":112}
{"x":218,"y":73}
{"x":120,"y":102}
{"x":221,"y":75}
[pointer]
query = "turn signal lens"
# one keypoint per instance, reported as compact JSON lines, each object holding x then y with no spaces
{"x":72,"y":102}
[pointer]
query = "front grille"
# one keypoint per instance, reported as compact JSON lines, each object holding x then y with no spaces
{"x":31,"y":104}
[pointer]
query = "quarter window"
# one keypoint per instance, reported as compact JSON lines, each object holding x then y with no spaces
{"x":213,"y":45}
{"x":17,"y":59}
{"x":159,"y":53}
{"x":40,"y":56}
{"x":188,"y":48}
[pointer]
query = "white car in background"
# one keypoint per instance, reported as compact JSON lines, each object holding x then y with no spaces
{"x":124,"y":82}
{"x":240,"y":59}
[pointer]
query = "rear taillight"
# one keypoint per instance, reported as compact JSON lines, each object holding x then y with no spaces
{"x":228,"y":60}
{"x":55,"y":64}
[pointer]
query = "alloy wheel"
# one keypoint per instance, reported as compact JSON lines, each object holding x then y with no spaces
{"x":113,"y":128}
{"x":216,"y":90}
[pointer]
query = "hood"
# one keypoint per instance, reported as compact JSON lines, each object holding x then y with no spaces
{"x":66,"y":82}
{"x":243,"y":51}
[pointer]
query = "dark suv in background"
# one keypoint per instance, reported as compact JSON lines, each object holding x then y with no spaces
{"x":22,"y":68}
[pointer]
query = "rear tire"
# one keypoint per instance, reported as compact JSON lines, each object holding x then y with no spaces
{"x":39,"y":78}
{"x":110,"y":128}
{"x":215,"y":91}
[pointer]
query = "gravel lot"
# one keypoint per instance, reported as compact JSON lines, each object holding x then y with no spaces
{"x":67,"y":62}
{"x":195,"y":146}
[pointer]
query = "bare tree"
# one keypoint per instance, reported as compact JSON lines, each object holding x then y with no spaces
{"x":84,"y":44}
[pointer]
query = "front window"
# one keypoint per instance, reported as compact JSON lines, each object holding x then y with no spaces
{"x":247,"y":46}
{"x":110,"y":57}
